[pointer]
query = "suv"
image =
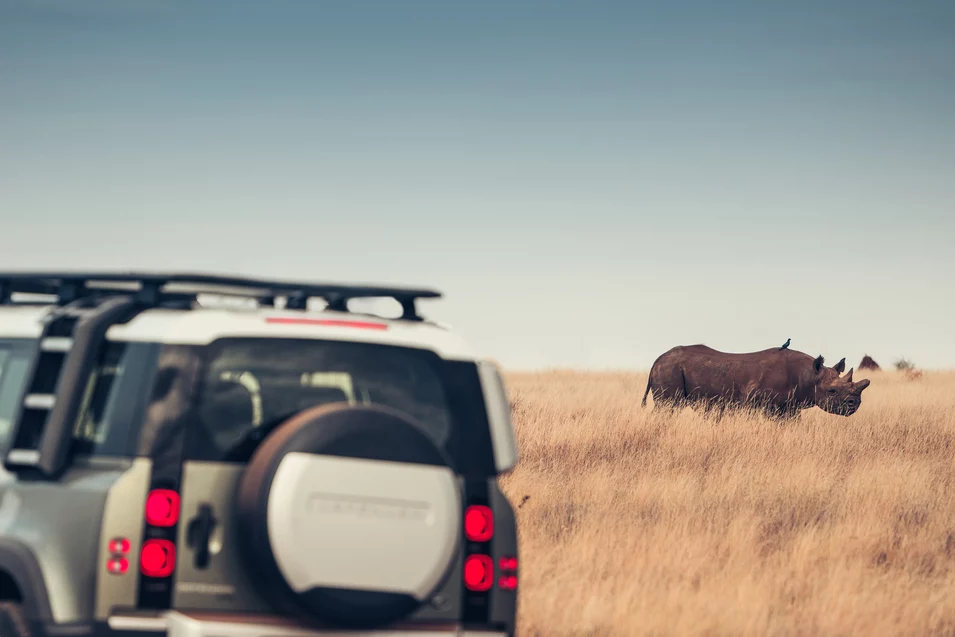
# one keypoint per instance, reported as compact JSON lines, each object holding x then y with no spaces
{"x":253,"y":468}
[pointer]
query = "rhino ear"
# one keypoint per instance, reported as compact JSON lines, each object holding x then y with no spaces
{"x":862,"y":384}
{"x":817,"y":364}
{"x":840,"y":366}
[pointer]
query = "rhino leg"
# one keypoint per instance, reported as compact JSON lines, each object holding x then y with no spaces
{"x":667,"y":400}
{"x":714,"y":409}
{"x":720,"y":410}
{"x":782,"y":412}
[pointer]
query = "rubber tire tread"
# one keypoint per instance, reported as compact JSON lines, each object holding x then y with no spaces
{"x":13,"y":623}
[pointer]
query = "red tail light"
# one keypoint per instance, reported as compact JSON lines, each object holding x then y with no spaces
{"x":508,"y":582}
{"x":158,"y":558}
{"x":478,"y":572}
{"x":479,"y":523}
{"x":118,"y":545}
{"x":117,"y":565}
{"x":162,"y":507}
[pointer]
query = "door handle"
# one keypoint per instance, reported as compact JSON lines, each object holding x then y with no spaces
{"x":199,"y":534}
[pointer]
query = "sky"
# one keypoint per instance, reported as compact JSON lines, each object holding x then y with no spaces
{"x":588,"y":183}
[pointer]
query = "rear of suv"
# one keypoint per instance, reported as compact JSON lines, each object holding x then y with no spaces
{"x":248,"y":467}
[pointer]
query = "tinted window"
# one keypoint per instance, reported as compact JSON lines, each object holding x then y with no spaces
{"x":111,"y":413}
{"x":167,"y":416}
{"x":248,"y":386}
{"x":14,"y":367}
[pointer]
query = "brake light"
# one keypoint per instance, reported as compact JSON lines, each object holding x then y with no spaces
{"x":478,"y":572}
{"x":508,"y":563}
{"x":479,"y":523}
{"x":162,"y":507}
{"x":158,"y":558}
{"x":364,"y":325}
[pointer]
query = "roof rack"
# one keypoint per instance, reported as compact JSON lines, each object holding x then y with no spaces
{"x":158,"y":288}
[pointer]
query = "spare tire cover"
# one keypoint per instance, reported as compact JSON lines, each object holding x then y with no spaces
{"x":350,"y":516}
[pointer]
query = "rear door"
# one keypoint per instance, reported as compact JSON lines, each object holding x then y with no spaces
{"x":216,"y":399}
{"x":246,"y":387}
{"x":209,"y":572}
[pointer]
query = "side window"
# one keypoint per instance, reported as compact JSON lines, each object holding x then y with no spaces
{"x":499,"y":417}
{"x":14,"y":367}
{"x":111,"y":414}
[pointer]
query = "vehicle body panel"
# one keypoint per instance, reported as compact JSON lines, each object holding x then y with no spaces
{"x":54,"y":533}
{"x":35,"y":515}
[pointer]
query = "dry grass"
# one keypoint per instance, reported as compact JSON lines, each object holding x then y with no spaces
{"x":642,"y":524}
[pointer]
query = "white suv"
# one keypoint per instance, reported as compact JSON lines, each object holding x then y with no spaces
{"x":176,"y":467}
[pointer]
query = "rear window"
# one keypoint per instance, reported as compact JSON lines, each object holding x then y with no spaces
{"x":248,"y":386}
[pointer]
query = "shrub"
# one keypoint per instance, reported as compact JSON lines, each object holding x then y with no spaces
{"x":903,"y":364}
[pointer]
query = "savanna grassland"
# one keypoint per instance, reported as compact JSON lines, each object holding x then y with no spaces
{"x":640,"y":523}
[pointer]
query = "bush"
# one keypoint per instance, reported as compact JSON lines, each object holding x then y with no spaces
{"x":903,"y":365}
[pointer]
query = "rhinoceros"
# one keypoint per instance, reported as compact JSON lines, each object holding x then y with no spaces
{"x":781,"y":382}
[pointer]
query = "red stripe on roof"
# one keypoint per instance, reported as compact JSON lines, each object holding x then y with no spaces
{"x":290,"y":320}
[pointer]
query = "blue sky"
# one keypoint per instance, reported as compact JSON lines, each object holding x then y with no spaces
{"x":589,"y":183}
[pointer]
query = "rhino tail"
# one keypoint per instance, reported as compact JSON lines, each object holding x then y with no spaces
{"x":643,"y":403}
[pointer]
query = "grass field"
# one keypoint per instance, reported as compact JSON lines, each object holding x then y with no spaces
{"x":642,"y":524}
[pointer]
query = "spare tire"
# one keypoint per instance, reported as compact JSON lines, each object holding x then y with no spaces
{"x":350,"y":516}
